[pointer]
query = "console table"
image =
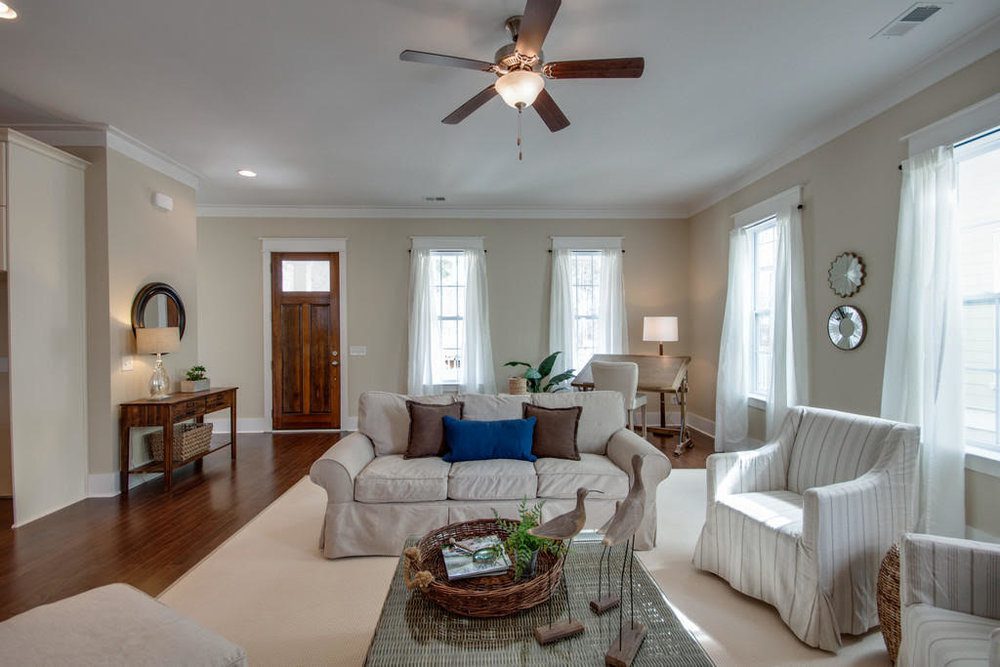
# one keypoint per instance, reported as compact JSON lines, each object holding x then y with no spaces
{"x":165,"y":412}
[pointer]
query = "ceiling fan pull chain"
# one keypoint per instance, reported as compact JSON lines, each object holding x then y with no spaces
{"x":520,"y":153}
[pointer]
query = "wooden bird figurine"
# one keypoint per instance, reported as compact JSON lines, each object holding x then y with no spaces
{"x":565,"y":526}
{"x":628,"y":516}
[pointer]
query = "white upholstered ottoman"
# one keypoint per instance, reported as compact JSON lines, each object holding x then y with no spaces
{"x":112,"y":625}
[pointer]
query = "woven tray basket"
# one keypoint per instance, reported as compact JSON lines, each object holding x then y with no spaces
{"x":887,"y":599}
{"x":479,"y":597}
{"x":189,"y":440}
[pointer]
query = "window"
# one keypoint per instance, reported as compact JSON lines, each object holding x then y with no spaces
{"x":585,"y":288}
{"x":978,"y":212}
{"x":449,"y":272}
{"x":762,"y":254}
{"x":305,"y":275}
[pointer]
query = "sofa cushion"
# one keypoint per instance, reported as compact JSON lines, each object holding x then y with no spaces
{"x":393,"y":479}
{"x":426,"y":435}
{"x":382,"y":416}
{"x":500,"y":479}
{"x":112,"y":625}
{"x":555,"y":431}
{"x":935,"y":636}
{"x":603,"y":415}
{"x":560,"y":478}
{"x":483,"y":441}
{"x":489,"y":407}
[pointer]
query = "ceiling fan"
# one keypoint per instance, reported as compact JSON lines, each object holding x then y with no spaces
{"x":521,"y":69}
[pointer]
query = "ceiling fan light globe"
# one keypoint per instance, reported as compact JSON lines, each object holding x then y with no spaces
{"x":7,"y":12}
{"x":520,"y":87}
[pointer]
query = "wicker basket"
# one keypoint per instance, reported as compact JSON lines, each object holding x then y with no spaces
{"x":480,"y":597}
{"x":189,"y":440}
{"x":887,"y":599}
{"x":517,"y":386}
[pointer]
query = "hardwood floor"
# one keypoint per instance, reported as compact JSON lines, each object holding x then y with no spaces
{"x":153,"y":538}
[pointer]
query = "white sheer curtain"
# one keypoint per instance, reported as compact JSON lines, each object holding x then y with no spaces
{"x":475,"y":372}
{"x":569,"y":304}
{"x":790,"y":352}
{"x":789,"y":357}
{"x":922,"y":383}
{"x":733,"y":380}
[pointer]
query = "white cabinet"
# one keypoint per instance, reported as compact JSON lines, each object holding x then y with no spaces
{"x":42,"y":200}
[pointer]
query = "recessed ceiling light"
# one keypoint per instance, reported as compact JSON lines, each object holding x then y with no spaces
{"x":247,"y":173}
{"x":7,"y":12}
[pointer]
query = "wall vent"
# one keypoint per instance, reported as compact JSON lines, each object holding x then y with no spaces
{"x":909,"y":19}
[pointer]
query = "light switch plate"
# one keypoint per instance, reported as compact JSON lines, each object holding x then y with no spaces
{"x":127,"y":363}
{"x":359,"y":350}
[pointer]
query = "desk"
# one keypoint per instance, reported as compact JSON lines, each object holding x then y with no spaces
{"x":657,"y":375}
{"x":165,"y":412}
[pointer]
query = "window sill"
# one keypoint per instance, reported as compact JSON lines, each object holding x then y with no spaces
{"x":985,"y":461}
{"x":758,"y":402}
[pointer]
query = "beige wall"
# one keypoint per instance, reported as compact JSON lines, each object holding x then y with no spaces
{"x":6,"y":474}
{"x":851,"y":193}
{"x":230,"y":297}
{"x":130,"y":243}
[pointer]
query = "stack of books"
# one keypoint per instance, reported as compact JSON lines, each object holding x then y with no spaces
{"x":460,"y":564}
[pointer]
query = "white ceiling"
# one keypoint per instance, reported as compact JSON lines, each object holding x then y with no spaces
{"x":311,"y":94}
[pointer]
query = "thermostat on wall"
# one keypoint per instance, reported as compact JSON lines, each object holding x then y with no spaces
{"x":162,"y":201}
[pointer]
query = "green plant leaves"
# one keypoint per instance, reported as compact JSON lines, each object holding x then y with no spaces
{"x":548,"y":363}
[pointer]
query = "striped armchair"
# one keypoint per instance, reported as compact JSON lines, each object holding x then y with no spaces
{"x":803,"y":522}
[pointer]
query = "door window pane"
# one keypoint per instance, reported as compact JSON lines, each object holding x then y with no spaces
{"x":312,"y":275}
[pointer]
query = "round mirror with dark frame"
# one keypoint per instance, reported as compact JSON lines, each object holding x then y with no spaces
{"x":158,"y":305}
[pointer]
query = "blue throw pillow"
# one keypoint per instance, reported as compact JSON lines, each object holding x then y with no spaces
{"x":485,"y":440}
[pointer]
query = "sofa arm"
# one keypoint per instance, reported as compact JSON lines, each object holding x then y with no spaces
{"x":337,"y":469}
{"x":950,"y":573}
{"x":761,"y":469}
{"x":655,"y":464}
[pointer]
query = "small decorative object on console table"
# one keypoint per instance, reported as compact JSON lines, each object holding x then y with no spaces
{"x":158,"y":341}
{"x":165,"y":413}
{"x":196,"y":380}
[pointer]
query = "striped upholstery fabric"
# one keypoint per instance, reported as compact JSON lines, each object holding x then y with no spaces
{"x":950,"y":593}
{"x":802,"y":523}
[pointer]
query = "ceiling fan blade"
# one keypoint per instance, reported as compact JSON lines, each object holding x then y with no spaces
{"x":610,"y":68}
{"x":535,"y":24}
{"x":450,"y":61}
{"x":460,"y":114}
{"x":550,"y":112}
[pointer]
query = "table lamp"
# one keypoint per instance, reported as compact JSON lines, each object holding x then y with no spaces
{"x":662,"y":329}
{"x":158,"y":341}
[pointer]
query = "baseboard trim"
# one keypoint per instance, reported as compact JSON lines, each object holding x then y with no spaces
{"x":47,"y":512}
{"x":243,"y":425}
{"x":106,"y":485}
{"x":695,"y":422}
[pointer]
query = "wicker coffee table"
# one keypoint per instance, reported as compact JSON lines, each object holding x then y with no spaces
{"x":414,"y":631}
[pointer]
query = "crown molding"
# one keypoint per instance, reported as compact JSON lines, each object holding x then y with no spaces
{"x":403,"y":212}
{"x":109,"y":136}
{"x":959,"y":54}
{"x":19,"y":138}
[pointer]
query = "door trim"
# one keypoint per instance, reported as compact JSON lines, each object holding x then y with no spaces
{"x":332,"y":245}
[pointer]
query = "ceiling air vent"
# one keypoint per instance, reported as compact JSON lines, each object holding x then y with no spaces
{"x":909,"y":19}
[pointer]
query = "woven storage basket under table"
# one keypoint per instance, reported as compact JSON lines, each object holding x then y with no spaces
{"x":480,"y":597}
{"x":189,"y":440}
{"x":887,"y":599}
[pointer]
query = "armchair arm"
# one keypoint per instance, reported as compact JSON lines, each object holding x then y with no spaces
{"x":760,"y":469}
{"x":655,"y":464}
{"x":950,"y":573}
{"x":337,"y":469}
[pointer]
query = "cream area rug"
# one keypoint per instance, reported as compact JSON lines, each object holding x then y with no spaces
{"x":268,"y":589}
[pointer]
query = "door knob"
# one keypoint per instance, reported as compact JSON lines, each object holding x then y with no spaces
{"x":334,"y":363}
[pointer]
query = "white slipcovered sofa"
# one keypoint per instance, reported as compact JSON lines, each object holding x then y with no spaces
{"x":376,"y":498}
{"x":949,"y":591}
{"x":803,"y":523}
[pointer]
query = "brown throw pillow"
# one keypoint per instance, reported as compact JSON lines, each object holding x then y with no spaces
{"x":427,"y":428}
{"x":555,"y":431}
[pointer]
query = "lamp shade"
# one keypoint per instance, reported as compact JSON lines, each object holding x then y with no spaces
{"x":520,"y":87}
{"x":660,"y":329}
{"x":157,"y":340}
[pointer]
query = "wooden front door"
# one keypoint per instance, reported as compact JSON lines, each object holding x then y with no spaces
{"x":305,"y":340}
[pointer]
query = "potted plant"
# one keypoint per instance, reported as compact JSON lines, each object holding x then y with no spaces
{"x":534,"y":378}
{"x":196,"y":380}
{"x":521,"y":547}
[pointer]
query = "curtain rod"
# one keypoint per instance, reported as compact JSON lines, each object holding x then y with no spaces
{"x":485,"y":251}
{"x":550,"y":251}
